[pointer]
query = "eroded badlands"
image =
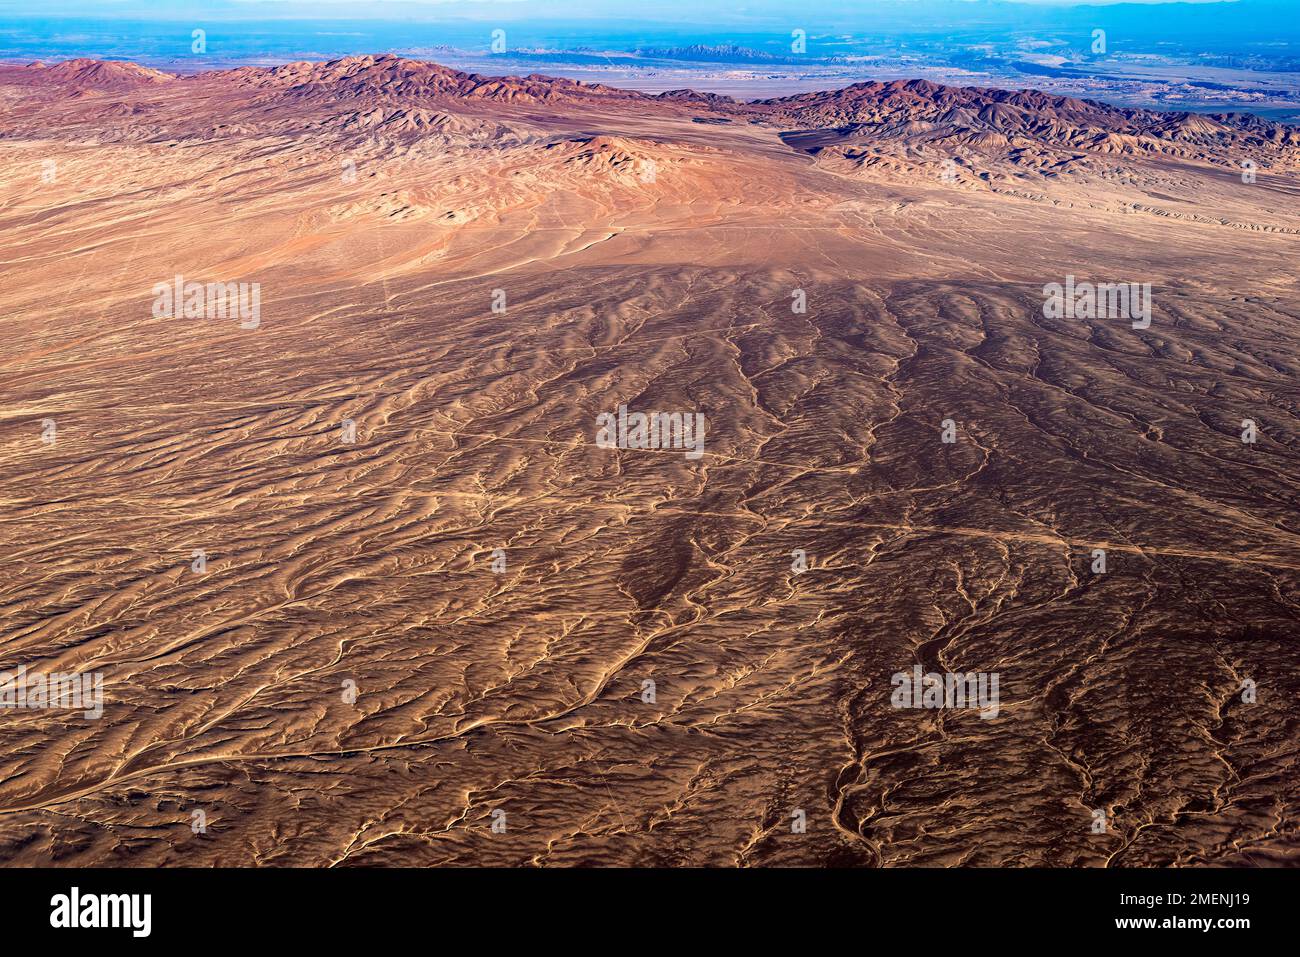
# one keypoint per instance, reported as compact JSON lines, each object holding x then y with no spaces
{"x":448,"y":623}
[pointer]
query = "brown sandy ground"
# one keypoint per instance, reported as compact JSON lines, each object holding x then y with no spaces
{"x":523,"y":692}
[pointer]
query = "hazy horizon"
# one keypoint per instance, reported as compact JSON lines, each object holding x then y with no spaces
{"x":1207,"y":56}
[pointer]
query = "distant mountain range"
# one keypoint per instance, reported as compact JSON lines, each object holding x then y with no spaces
{"x":862,"y":125}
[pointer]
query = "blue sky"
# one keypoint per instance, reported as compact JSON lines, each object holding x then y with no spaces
{"x":1149,"y":26}
{"x":577,"y":9}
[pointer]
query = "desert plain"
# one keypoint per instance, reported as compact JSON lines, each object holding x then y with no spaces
{"x":363,"y":589}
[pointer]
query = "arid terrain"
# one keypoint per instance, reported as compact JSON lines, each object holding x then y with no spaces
{"x":363,"y":588}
